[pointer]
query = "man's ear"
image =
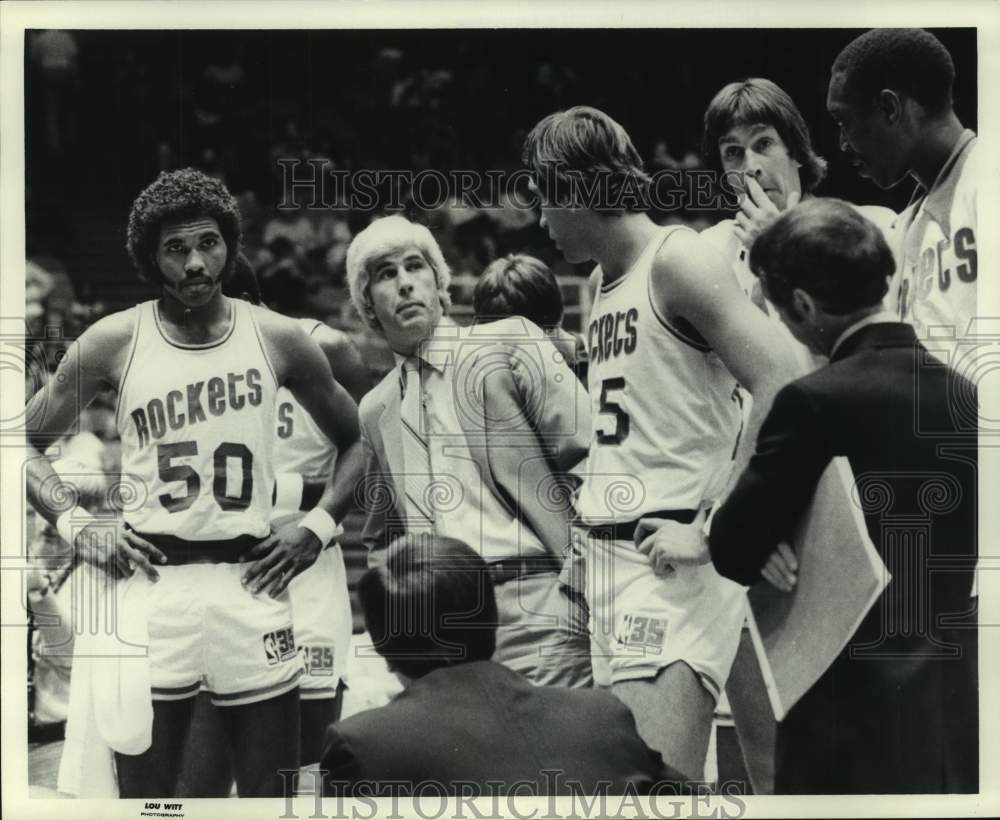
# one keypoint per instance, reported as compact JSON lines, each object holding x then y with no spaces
{"x":803,"y":306}
{"x":890,"y":106}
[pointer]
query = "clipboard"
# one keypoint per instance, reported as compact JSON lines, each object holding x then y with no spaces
{"x":797,"y":635}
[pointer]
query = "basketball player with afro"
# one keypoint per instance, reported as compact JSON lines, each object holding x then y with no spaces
{"x":197,"y":375}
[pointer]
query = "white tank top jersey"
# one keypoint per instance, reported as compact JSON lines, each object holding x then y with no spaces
{"x":197,"y":424}
{"x":302,"y":447}
{"x":666,"y":410}
{"x":935,"y":237}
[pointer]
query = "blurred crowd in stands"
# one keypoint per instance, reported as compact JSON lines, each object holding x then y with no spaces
{"x":233,"y":105}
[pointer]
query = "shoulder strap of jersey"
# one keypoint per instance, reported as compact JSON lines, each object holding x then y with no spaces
{"x":140,"y":311}
{"x":310,"y":326}
{"x":250,"y":311}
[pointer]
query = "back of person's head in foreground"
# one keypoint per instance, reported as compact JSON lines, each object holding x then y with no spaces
{"x":519,"y":285}
{"x":174,"y":197}
{"x":429,"y":605}
{"x":570,"y":151}
{"x":822,"y":257}
{"x":382,"y":238}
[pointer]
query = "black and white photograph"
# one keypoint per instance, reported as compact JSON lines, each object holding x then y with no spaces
{"x":434,"y":410}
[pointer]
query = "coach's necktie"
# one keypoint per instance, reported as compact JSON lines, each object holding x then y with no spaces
{"x":417,"y":476}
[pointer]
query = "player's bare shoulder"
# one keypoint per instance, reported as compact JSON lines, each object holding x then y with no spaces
{"x":284,"y":339}
{"x":686,"y":265}
{"x":334,"y":343}
{"x":104,"y":347}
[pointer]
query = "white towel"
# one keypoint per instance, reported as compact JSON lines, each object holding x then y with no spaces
{"x":110,"y":703}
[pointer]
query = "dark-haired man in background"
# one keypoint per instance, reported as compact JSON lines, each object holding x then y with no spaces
{"x":752,"y":128}
{"x":895,"y":713}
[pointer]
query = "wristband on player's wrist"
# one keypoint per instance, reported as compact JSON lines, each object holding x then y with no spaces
{"x":288,"y":491}
{"x":72,"y":521}
{"x":321,"y":524}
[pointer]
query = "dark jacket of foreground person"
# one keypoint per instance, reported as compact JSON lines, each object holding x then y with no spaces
{"x":482,"y":724}
{"x":897,"y":712}
{"x":465,"y":725}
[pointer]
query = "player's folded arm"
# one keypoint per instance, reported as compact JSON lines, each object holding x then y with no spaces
{"x":774,"y":490}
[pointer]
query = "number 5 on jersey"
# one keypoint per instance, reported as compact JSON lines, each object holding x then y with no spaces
{"x":609,"y":406}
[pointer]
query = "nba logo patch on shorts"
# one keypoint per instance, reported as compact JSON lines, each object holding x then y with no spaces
{"x":279,"y":646}
{"x":642,"y":634}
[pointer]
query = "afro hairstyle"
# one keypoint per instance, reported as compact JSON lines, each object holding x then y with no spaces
{"x":175,"y":196}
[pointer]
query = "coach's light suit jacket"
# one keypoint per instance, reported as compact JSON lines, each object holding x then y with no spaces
{"x":897,"y":710}
{"x":526,"y":419}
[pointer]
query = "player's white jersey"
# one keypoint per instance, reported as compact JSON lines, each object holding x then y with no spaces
{"x":666,"y":411}
{"x":935,"y":244}
{"x":197,"y":425}
{"x":301,"y":447}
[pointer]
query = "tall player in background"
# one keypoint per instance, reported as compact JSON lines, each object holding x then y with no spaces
{"x":754,"y":132}
{"x":671,"y":335}
{"x":197,"y":376}
{"x":891,"y":96}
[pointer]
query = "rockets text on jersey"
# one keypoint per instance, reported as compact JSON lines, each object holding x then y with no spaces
{"x":197,"y":425}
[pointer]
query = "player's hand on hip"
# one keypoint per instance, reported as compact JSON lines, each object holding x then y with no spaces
{"x":279,"y":558}
{"x":668,"y":543}
{"x":781,"y":568}
{"x":118,"y":550}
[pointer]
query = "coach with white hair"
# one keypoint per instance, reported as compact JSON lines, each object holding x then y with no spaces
{"x":473,"y":436}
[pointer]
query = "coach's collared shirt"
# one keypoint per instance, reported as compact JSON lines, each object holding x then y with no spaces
{"x":465,"y":506}
{"x":872,"y":319}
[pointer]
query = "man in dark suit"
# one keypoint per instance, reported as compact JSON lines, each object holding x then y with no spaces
{"x":471,"y":436}
{"x":464,"y":724}
{"x":897,"y":710}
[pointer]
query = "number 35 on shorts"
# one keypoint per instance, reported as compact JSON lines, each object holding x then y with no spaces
{"x":318,"y":660}
{"x":642,"y":632}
